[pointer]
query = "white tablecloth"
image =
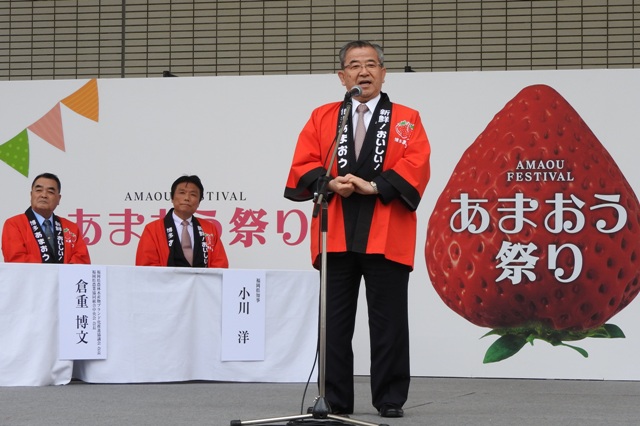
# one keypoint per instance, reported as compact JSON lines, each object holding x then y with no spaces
{"x":164,"y":324}
{"x":29,"y":327}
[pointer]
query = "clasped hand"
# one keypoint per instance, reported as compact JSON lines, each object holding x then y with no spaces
{"x":348,"y":184}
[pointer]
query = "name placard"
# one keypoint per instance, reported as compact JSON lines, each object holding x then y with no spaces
{"x":243,"y":315}
{"x":82,"y":305}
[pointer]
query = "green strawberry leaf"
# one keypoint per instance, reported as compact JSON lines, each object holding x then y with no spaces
{"x":614,"y":331}
{"x":498,"y":331}
{"x":513,"y":339}
{"x":503,"y":348}
{"x":576,"y":348}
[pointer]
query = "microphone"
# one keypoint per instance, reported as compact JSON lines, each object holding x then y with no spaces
{"x":355,"y":91}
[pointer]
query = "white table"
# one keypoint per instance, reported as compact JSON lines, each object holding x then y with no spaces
{"x":164,"y":324}
{"x":29,"y":327}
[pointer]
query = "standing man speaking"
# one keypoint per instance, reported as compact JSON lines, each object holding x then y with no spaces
{"x":377,"y":181}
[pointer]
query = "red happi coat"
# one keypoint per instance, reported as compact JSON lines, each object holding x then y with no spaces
{"x":391,"y":227}
{"x":19,"y":244}
{"x":153,"y":248}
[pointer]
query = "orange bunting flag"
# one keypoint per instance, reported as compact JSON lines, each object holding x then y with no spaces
{"x":49,"y":127}
{"x":84,"y":101}
{"x":15,"y":152}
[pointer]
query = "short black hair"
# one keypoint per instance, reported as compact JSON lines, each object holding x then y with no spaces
{"x":47,"y":176}
{"x":190,"y":179}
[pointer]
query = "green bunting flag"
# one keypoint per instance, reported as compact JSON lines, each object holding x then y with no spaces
{"x":15,"y":152}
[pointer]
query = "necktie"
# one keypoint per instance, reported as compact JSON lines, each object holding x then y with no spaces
{"x":186,"y":242}
{"x":360,"y":129}
{"x":48,"y":231}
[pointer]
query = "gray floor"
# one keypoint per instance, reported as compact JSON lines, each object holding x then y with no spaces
{"x":432,"y":401}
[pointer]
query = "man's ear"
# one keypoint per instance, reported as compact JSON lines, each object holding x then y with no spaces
{"x":341,"y":76}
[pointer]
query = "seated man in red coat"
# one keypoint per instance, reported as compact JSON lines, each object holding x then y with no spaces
{"x":181,"y":239}
{"x":39,"y":236}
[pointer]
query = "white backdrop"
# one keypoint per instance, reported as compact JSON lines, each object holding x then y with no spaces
{"x":238,"y":135}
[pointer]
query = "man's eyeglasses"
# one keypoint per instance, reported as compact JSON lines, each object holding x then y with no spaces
{"x":357,"y":67}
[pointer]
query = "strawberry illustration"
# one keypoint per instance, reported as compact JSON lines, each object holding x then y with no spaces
{"x":404,"y":129}
{"x":537,"y":233}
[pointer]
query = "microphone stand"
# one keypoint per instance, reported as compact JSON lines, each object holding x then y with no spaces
{"x":321,"y":410}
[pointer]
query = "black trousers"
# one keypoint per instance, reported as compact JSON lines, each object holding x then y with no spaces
{"x":386,"y":284}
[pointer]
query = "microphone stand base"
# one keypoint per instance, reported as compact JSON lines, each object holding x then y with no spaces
{"x":318,"y":415}
{"x":305,"y":420}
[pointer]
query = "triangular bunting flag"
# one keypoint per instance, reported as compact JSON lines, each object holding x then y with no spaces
{"x":84,"y":101}
{"x":49,"y":127}
{"x":15,"y":152}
